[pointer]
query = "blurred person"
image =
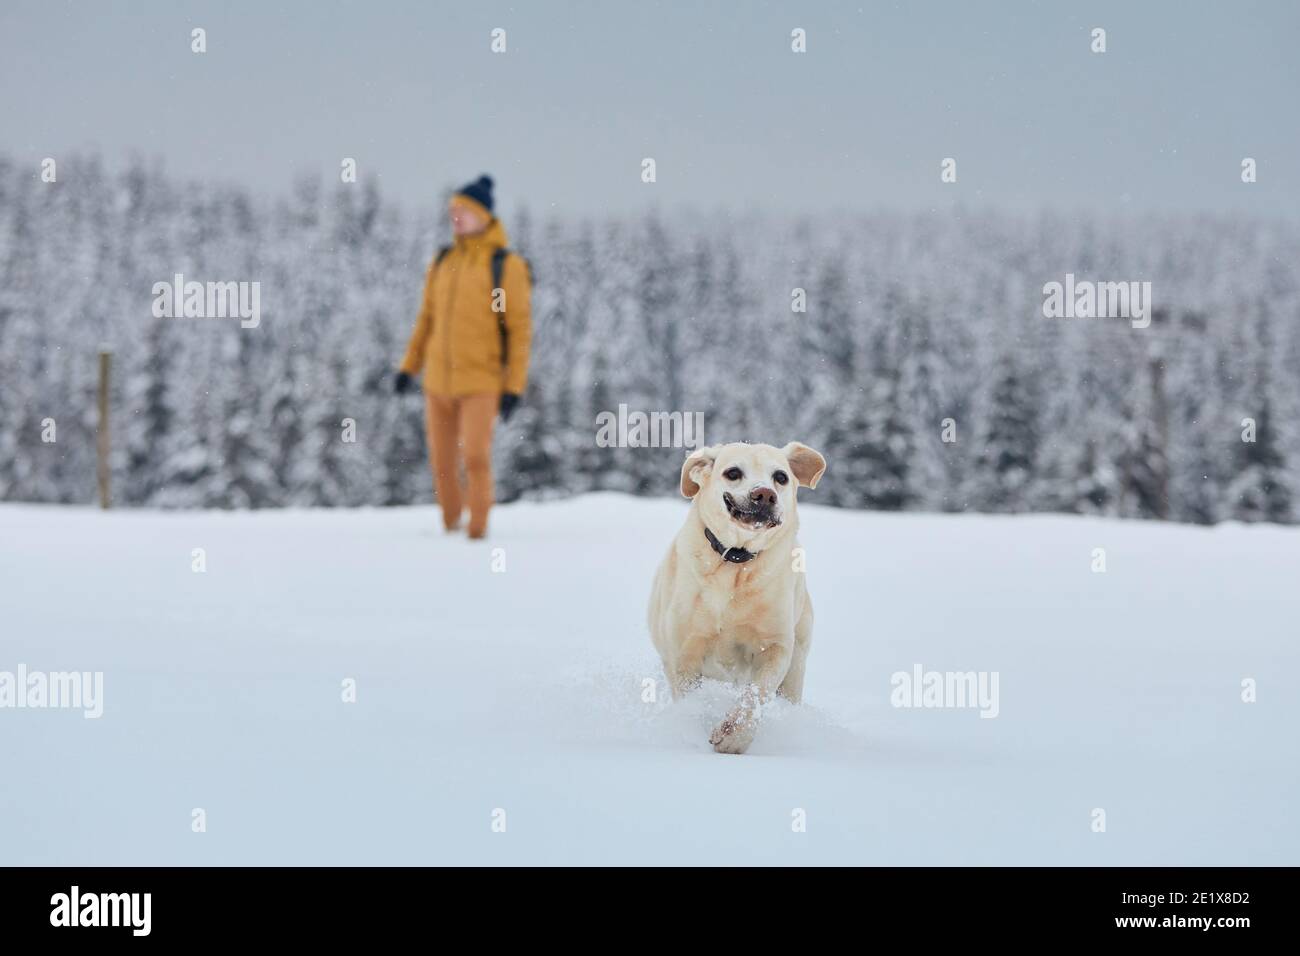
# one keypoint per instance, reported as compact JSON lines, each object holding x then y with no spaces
{"x":471,"y":342}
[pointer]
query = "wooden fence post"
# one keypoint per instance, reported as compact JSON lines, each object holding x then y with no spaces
{"x":103,"y":474}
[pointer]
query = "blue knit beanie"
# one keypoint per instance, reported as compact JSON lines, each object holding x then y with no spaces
{"x":480,"y":190}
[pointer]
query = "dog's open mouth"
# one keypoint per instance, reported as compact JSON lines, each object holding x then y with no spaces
{"x":754,"y":518}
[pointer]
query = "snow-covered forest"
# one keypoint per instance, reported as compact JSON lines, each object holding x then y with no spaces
{"x":911,"y":320}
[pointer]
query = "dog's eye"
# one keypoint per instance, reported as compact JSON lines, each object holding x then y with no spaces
{"x":733,"y":474}
{"x":780,"y":477}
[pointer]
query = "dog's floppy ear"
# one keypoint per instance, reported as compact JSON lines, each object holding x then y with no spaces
{"x":693,"y":469}
{"x":808,"y":465}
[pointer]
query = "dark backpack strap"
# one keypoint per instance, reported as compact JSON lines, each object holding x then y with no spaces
{"x":498,"y":264}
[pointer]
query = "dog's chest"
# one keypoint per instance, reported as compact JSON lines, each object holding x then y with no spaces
{"x":738,"y":623}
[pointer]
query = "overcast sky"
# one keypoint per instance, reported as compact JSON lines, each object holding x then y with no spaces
{"x":710,"y":90}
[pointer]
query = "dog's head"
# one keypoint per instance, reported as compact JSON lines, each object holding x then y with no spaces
{"x":748,"y":490}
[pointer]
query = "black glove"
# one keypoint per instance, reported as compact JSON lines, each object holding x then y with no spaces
{"x":401,"y":383}
{"x":508,"y":403}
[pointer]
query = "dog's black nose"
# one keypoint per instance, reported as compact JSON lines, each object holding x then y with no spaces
{"x":763,"y":496}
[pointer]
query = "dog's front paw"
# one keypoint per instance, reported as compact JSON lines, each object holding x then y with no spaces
{"x":735,"y":733}
{"x":681,"y":686}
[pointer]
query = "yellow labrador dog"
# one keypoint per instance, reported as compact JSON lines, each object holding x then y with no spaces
{"x":729,"y":601}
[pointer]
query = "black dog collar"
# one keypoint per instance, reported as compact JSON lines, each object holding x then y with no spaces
{"x":734,"y":555}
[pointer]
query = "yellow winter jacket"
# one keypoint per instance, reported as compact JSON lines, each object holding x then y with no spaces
{"x":457,"y":337}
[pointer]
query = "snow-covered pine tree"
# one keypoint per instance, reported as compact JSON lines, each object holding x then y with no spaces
{"x":922,"y":409}
{"x":529,"y":455}
{"x":1259,"y":491}
{"x":149,"y":416}
{"x":1143,"y":460}
{"x":246,"y":476}
{"x":1008,"y":441}
{"x":871,"y":443}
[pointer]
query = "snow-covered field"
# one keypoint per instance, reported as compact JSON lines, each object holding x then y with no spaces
{"x":478,"y":689}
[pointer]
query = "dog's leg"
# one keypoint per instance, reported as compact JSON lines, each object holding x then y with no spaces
{"x":737,"y":730}
{"x":681,"y":683}
{"x":685,"y":676}
{"x":792,"y":687}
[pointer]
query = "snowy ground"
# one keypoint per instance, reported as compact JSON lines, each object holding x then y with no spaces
{"x":479,"y":690}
